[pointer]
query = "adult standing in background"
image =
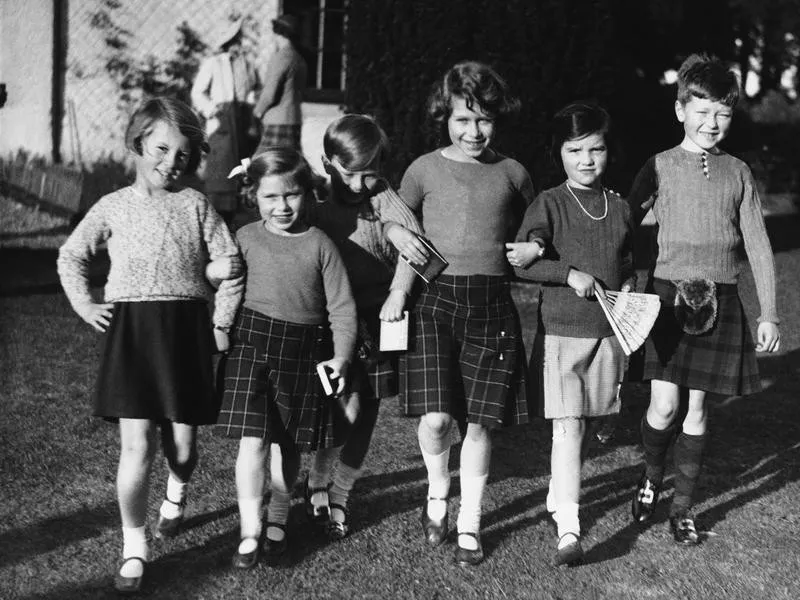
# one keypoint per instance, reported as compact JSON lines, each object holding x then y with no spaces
{"x":223,"y":93}
{"x":279,"y":105}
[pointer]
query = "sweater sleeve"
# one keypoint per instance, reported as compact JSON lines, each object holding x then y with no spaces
{"x":411,"y":189}
{"x":391,"y":209}
{"x":538,"y":224}
{"x":339,"y":299}
{"x":643,"y":191}
{"x":757,"y":246}
{"x":76,"y":253}
{"x":221,"y":243}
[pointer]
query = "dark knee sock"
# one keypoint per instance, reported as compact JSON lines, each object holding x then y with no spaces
{"x":655,"y":443}
{"x":688,"y":460}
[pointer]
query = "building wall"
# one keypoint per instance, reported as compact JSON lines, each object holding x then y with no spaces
{"x":26,"y":67}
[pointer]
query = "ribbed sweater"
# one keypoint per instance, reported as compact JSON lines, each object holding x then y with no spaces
{"x":468,"y":210}
{"x":603,"y":249}
{"x":158,"y":247}
{"x":705,"y":222}
{"x":357,"y":230}
{"x":299,"y":279}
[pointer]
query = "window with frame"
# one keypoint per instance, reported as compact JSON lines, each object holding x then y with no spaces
{"x":323,"y":24}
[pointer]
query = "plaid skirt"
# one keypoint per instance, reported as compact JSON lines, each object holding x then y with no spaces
{"x":271,"y":389}
{"x":279,"y":135}
{"x":721,"y":361}
{"x":465,"y":355}
{"x":372,"y":373}
{"x":155,"y":364}
{"x":576,"y":377}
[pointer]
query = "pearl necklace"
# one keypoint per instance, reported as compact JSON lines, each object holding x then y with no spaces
{"x":605,"y":197}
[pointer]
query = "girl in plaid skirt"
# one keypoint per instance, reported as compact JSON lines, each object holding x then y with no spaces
{"x":707,"y":209}
{"x":296,"y":284}
{"x":584,"y":235}
{"x":466,"y":361}
{"x":358,"y":210}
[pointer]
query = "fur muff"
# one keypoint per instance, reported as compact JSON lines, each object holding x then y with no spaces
{"x":696,"y":305}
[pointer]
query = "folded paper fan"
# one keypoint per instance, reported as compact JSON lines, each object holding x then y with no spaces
{"x":630,"y":314}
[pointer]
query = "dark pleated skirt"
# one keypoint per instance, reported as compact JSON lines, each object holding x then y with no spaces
{"x":156,"y":364}
{"x":721,"y":361}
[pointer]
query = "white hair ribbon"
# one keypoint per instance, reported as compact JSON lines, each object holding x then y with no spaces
{"x":240,"y":169}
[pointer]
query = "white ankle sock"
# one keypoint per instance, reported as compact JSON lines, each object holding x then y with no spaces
{"x":134,"y":543}
{"x":176,"y":490}
{"x":438,"y":473}
{"x":469,"y":513}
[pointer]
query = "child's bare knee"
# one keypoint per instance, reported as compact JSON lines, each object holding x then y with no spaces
{"x":438,"y":424}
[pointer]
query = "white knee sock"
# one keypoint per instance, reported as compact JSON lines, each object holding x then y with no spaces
{"x":550,"y":501}
{"x":278,"y":512}
{"x":250,"y":516}
{"x":567,"y":521}
{"x":344,"y":478}
{"x":438,"y":482}
{"x":469,"y":513}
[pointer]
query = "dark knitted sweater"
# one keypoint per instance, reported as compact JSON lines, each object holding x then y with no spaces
{"x":603,"y":249}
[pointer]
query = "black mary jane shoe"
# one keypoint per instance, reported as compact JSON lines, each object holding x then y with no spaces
{"x":338,"y":530}
{"x":168,"y":528}
{"x":466,"y":557}
{"x":645,"y":498}
{"x":129,"y":585}
{"x":275,"y":550}
{"x":683,"y":530}
{"x":435,"y":530}
{"x":570,"y":555}
{"x":247,"y":560}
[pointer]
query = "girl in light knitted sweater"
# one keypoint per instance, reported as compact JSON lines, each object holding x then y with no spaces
{"x":707,"y":210}
{"x":155,"y":368}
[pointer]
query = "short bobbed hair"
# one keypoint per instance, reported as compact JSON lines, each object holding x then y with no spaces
{"x":478,"y":84}
{"x":707,"y":77}
{"x":576,"y":121}
{"x":356,"y":141}
{"x":281,"y":161}
{"x":175,"y":113}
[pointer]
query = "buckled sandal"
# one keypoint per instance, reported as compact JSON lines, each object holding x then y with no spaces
{"x":129,"y":585}
{"x":645,"y":498}
{"x":338,"y":530}
{"x":167,"y":528}
{"x":318,"y":515}
{"x":683,"y":530}
{"x":435,"y":530}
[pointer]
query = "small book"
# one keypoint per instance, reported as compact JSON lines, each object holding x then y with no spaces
{"x":394,"y":335}
{"x":324,"y":374}
{"x":432,"y":267}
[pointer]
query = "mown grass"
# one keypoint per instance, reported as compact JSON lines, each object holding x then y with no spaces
{"x":59,"y":526}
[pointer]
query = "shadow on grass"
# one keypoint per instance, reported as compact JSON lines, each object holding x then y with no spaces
{"x":17,"y":545}
{"x":25,"y":271}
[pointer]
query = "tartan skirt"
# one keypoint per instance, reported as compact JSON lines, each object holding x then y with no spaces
{"x":373,"y":374}
{"x":720,"y":361}
{"x":465,"y":355}
{"x":279,"y":135}
{"x":576,"y":377}
{"x":155,"y":364}
{"x":271,"y":389}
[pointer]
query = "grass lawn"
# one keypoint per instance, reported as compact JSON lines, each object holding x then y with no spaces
{"x":59,"y":525}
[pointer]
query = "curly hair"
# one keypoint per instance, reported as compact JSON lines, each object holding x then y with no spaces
{"x":175,"y":113}
{"x":478,"y":84}
{"x":704,"y":76}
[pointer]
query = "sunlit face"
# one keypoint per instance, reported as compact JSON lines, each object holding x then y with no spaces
{"x":471,"y":131}
{"x":585,"y":160}
{"x":280,"y":204}
{"x":165,"y":155}
{"x":705,"y":123}
{"x":352,"y":187}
